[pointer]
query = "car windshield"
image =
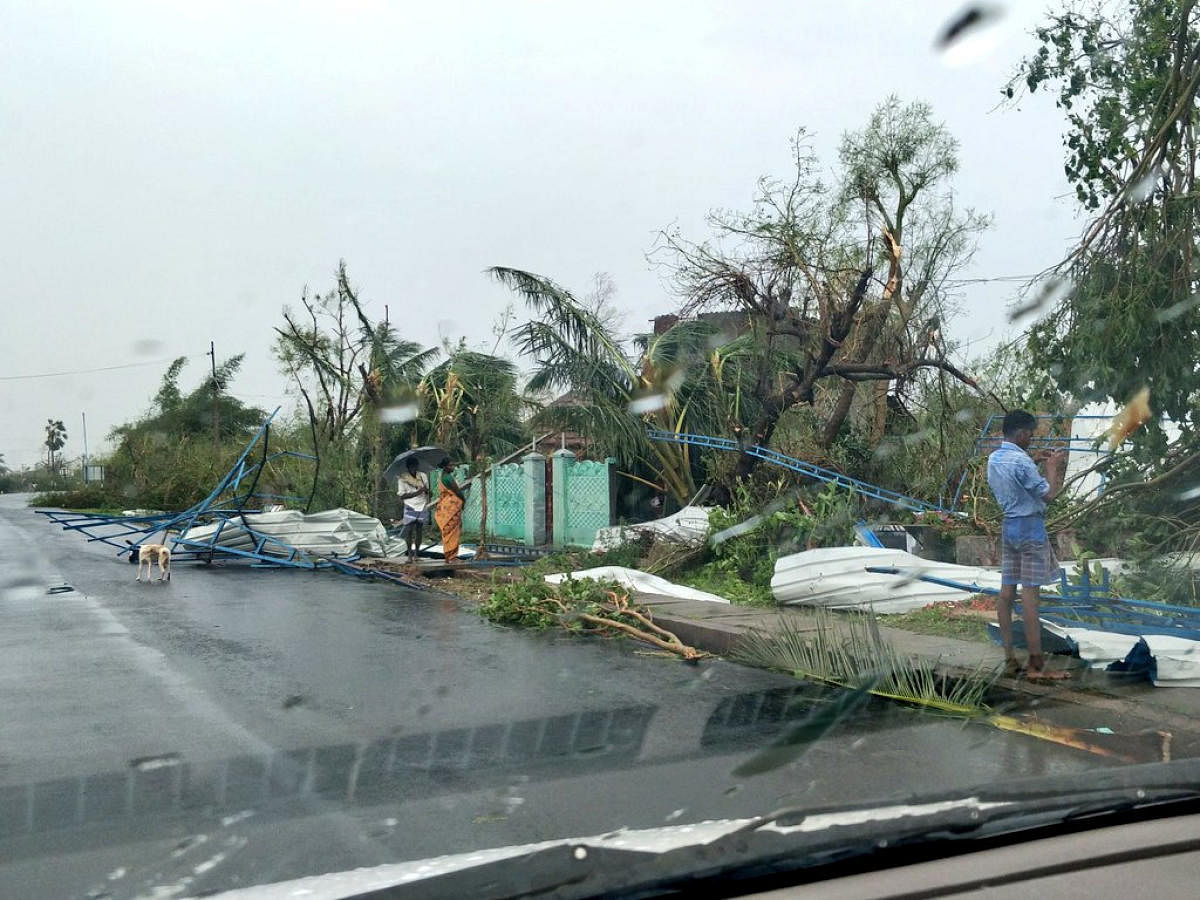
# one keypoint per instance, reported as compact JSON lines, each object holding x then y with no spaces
{"x":429,"y":430}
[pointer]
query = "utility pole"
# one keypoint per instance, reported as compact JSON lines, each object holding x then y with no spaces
{"x":215,"y":414}
{"x":85,"y":453}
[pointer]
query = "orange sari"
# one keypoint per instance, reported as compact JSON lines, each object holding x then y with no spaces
{"x":448,"y":516}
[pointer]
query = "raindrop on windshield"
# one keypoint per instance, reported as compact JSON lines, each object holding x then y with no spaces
{"x":735,"y":530}
{"x":148,"y":347}
{"x":917,"y":437}
{"x":971,"y":35}
{"x":396,"y":415}
{"x":885,"y":450}
{"x":647,"y":403}
{"x":1175,"y":310}
{"x":1053,"y":290}
{"x":720,"y":339}
{"x":1143,"y":188}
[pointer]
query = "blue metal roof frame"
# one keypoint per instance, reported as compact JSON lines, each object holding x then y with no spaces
{"x":226,"y":502}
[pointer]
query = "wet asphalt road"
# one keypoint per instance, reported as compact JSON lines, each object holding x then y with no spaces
{"x":235,"y":727}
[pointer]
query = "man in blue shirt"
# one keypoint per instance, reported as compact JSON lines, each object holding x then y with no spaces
{"x":1028,"y":558}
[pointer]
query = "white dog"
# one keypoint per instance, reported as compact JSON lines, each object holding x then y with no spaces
{"x":146,"y":554}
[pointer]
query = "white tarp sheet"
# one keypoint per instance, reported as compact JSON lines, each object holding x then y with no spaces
{"x":332,"y":532}
{"x":635,"y":580}
{"x":1177,"y":660}
{"x":836,"y":577}
{"x":689,"y":526}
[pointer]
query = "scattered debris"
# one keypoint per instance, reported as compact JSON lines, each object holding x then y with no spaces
{"x":838,"y":578}
{"x":688,"y":526}
{"x":636,"y":581}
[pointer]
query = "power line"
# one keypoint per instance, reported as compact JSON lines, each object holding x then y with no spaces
{"x":993,"y":278}
{"x":153,"y":362}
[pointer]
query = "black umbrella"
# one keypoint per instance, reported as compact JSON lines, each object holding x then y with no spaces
{"x":427,"y":460}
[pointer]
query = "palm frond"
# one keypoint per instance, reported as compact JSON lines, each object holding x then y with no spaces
{"x":850,"y":651}
{"x":577,"y":326}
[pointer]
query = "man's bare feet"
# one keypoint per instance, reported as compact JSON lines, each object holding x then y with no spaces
{"x":1037,"y":671}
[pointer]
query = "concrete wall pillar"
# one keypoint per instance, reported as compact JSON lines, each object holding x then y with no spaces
{"x":535,"y":499}
{"x":562,"y":462}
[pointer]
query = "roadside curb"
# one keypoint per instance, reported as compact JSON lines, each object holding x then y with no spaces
{"x":721,"y":638}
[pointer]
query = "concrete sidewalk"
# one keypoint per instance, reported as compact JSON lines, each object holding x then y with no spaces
{"x":1091,"y":696}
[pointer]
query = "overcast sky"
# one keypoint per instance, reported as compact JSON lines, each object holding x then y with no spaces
{"x":173,"y":173}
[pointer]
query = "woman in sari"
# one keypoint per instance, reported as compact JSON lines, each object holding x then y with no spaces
{"x":448,"y":516}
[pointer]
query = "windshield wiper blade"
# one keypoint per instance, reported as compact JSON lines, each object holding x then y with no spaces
{"x":788,"y":842}
{"x":729,"y":854}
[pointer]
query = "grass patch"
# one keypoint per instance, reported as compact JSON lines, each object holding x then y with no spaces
{"x":712,"y":578}
{"x":942,"y":620}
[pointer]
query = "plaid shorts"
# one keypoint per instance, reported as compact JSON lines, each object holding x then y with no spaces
{"x":415,"y":515}
{"x":1028,"y":557}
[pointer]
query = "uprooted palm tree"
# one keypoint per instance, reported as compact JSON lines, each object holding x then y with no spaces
{"x":690,"y":378}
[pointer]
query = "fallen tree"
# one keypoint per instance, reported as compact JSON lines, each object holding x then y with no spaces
{"x":580,"y":605}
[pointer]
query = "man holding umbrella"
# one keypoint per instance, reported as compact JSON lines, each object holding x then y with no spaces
{"x":413,"y":489}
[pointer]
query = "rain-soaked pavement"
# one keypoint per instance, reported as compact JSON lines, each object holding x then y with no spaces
{"x":236,"y":727}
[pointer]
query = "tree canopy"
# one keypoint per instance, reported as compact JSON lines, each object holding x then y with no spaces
{"x":1126,"y":76}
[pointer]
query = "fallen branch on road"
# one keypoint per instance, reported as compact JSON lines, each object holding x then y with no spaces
{"x":583,"y":605}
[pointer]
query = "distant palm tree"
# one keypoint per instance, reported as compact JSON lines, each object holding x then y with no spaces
{"x":56,"y":438}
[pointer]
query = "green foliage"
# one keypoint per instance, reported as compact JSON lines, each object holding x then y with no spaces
{"x":717,"y":579}
{"x":523,"y":603}
{"x":1161,"y":580}
{"x":530,"y":602}
{"x":471,"y":405}
{"x":168,"y":459}
{"x":785,"y":283}
{"x":179,"y":415}
{"x":1126,"y":77}
{"x":690,"y":378}
{"x":628,"y":555}
{"x":749,"y":537}
{"x":89,"y":497}
{"x":347,"y":371}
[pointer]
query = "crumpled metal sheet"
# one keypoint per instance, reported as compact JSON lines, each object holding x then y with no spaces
{"x":332,"y":532}
{"x":689,"y":526}
{"x":837,"y":577}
